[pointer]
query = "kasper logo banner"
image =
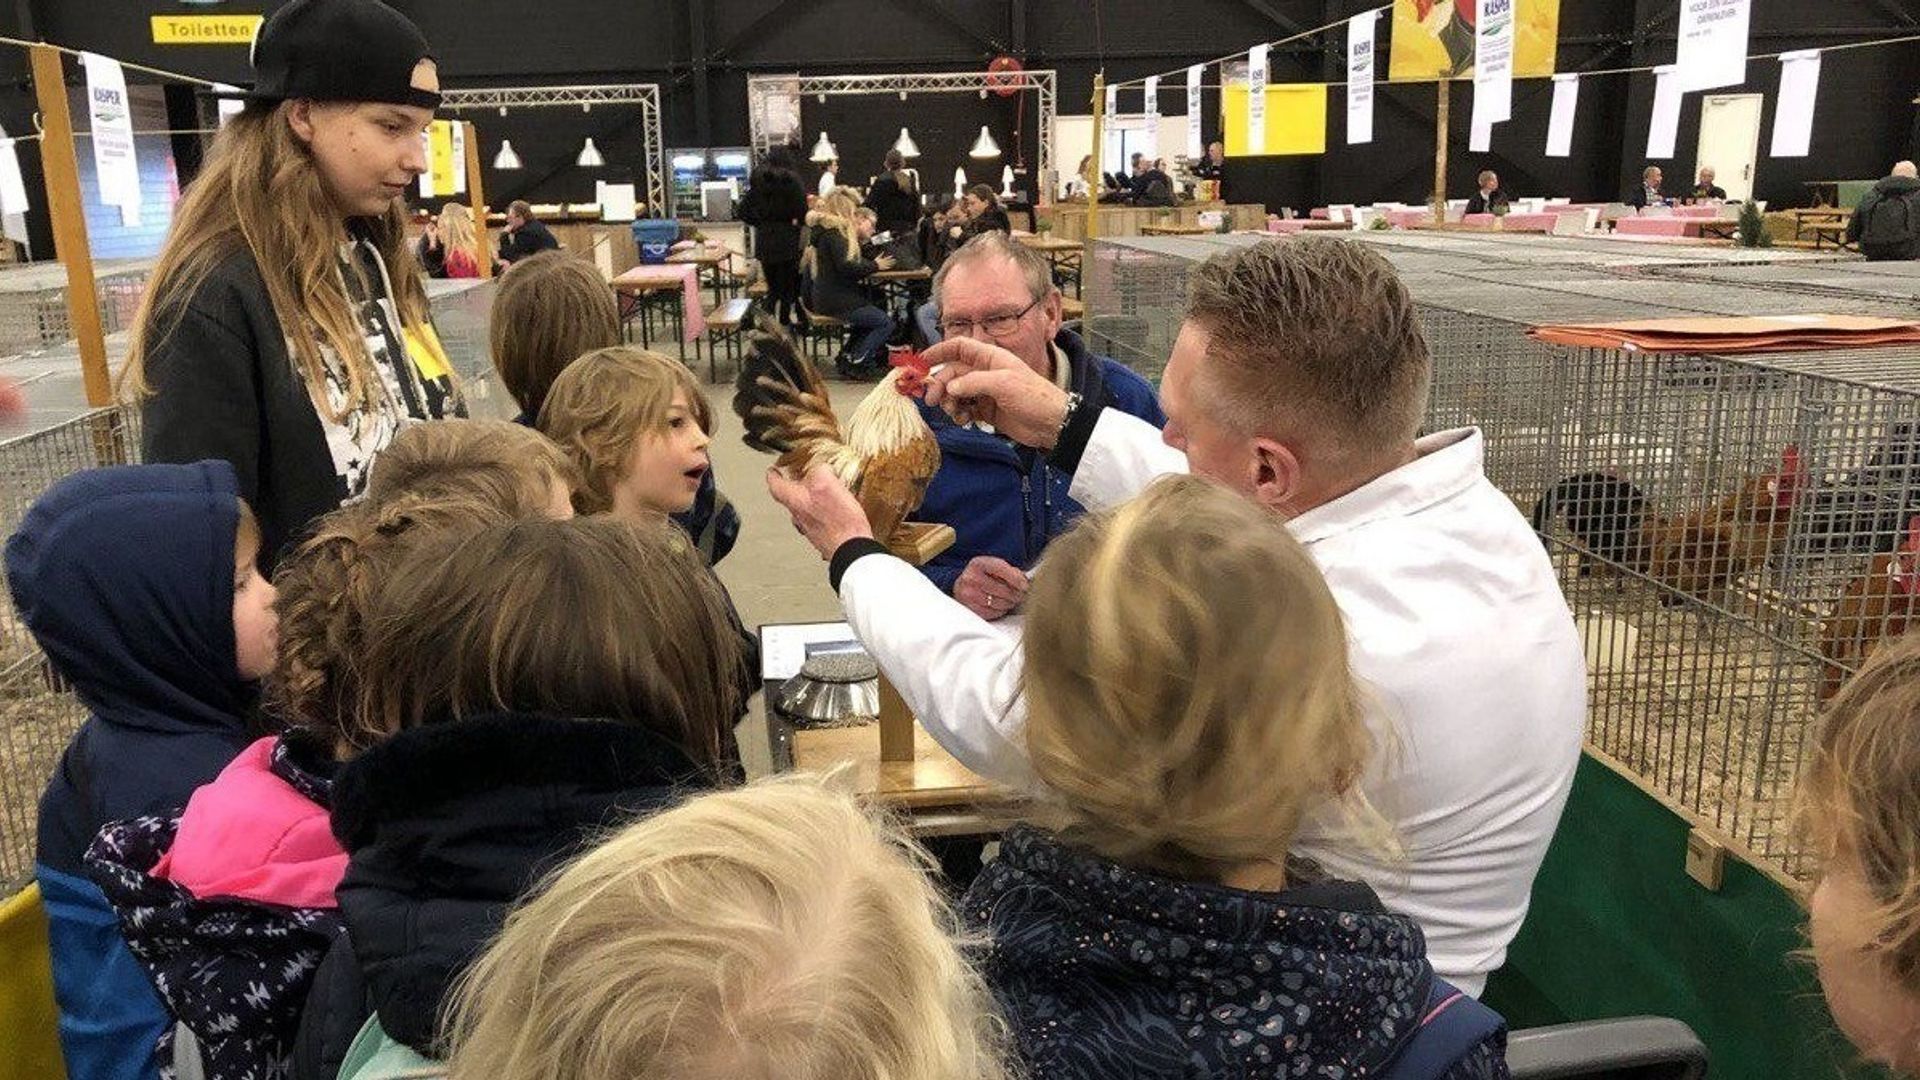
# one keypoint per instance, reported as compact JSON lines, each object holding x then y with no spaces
{"x":1434,"y":38}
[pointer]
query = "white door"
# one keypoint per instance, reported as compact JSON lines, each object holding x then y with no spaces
{"x":1729,"y":144}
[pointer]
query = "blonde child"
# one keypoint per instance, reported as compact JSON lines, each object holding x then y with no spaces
{"x":1189,"y":707}
{"x":776,"y":931}
{"x":546,"y":684}
{"x":1860,"y":807}
{"x":636,"y":426}
{"x":554,"y":309}
{"x":229,"y":903}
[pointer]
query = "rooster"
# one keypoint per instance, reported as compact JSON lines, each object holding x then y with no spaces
{"x":1879,"y":605}
{"x":886,"y":454}
{"x":1692,"y":554}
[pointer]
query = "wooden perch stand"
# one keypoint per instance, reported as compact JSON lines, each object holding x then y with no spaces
{"x":918,"y":544}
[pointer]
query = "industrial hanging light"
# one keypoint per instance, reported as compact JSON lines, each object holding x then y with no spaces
{"x":1006,"y":182}
{"x":904,"y":144}
{"x":506,"y":158}
{"x":590,"y":156}
{"x":959,"y":182}
{"x":824,"y":150}
{"x":984,"y":146}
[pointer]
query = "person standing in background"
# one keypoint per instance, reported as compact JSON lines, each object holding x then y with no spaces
{"x":1213,"y":167}
{"x":894,"y":198}
{"x":523,"y":235}
{"x":829,"y":179}
{"x":1886,"y":224}
{"x":776,"y":207}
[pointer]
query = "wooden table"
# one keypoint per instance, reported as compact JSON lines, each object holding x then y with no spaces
{"x":711,"y":263}
{"x":637,"y":286}
{"x":1063,"y":256}
{"x":900,"y":287}
{"x":1173,"y":230}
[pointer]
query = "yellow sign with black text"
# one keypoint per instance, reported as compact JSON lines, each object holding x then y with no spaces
{"x":205,"y":29}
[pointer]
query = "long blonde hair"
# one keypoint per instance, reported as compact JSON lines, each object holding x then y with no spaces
{"x":456,"y":230}
{"x":834,"y":212}
{"x":1859,"y":803}
{"x":260,"y":192}
{"x":1188,"y":697}
{"x":775,"y":931}
{"x":448,"y":475}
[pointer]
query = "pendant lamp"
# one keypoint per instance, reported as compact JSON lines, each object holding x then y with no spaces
{"x":506,"y":158}
{"x":959,"y":182}
{"x":905,"y":145}
{"x":984,"y":146}
{"x":590,"y":156}
{"x":1006,"y":182}
{"x":824,"y":150}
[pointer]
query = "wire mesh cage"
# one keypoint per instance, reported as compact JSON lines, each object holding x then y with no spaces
{"x":1733,"y":535}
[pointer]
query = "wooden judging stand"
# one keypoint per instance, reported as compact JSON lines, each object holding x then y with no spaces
{"x":899,"y":767}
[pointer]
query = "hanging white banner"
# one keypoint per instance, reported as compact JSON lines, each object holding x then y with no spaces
{"x":1493,"y":62}
{"x":1665,"y":127}
{"x":1257,"y":99}
{"x":1566,"y":100}
{"x":1151,"y":145}
{"x":1713,"y":43}
{"x":426,"y":154}
{"x":1360,"y":79}
{"x":460,"y":158}
{"x":1480,"y":139}
{"x":1793,"y":111}
{"x":1113,"y":102}
{"x":13,"y":188}
{"x":110,"y":119}
{"x":228,"y":107}
{"x":1196,"y":148}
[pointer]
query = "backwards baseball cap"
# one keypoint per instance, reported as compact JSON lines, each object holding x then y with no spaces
{"x":339,"y":50}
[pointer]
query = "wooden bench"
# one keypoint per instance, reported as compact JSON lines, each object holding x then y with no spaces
{"x":727,"y":325}
{"x":824,"y":329}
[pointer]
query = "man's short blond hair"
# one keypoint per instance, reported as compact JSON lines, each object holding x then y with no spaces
{"x":604,"y":403}
{"x":1313,"y":340}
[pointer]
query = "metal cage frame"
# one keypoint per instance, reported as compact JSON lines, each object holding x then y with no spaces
{"x":645,"y":95}
{"x":1043,"y":81}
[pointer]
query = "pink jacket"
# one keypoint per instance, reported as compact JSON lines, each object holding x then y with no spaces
{"x":250,"y":835}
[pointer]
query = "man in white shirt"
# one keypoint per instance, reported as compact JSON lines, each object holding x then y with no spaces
{"x":1298,"y":380}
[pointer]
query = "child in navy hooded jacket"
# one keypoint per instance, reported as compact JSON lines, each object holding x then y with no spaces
{"x":139,"y":583}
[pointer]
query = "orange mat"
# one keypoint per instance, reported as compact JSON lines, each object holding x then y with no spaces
{"x":1770,"y":333}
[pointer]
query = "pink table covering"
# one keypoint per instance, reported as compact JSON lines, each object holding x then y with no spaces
{"x":1641,"y":226}
{"x":1408,"y":219}
{"x":1477,"y":219}
{"x":1704,"y":213}
{"x":1319,"y":213}
{"x":685,"y":275}
{"x":1530,"y":221}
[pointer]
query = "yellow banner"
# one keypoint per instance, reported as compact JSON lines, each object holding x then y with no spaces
{"x":441,"y":162}
{"x":1296,"y":118}
{"x":1434,"y":39}
{"x":205,"y":29}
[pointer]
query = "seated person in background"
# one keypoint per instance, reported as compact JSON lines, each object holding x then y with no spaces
{"x":1706,"y":189}
{"x":523,"y":236}
{"x":554,"y":680}
{"x":1155,"y":187}
{"x":671,"y":949}
{"x":1004,"y":501}
{"x":552,"y":310}
{"x":229,"y":901}
{"x":141,"y":584}
{"x":1648,"y":193}
{"x":838,"y":271}
{"x":1886,"y":224}
{"x":984,"y":214}
{"x":1860,"y":811}
{"x":1488,"y":199}
{"x":1213,"y":166}
{"x":431,"y":250}
{"x":460,"y":244}
{"x":1299,"y":379}
{"x":1189,"y":706}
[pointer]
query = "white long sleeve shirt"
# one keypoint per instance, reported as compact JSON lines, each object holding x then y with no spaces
{"x":1459,"y":636}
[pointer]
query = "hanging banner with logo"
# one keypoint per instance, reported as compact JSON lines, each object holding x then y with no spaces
{"x":426,"y":154}
{"x":1493,"y":63}
{"x":1434,"y":39}
{"x":1566,"y":99}
{"x":458,"y":166}
{"x":1360,"y":79}
{"x":1113,"y":101}
{"x":1665,"y":127}
{"x":1151,"y":146}
{"x":13,"y":192}
{"x":110,"y":119}
{"x":1713,"y":43}
{"x":1257,"y":99}
{"x":1196,"y":145}
{"x":1296,"y":117}
{"x":440,"y":165}
{"x":228,"y":107}
{"x":1793,"y":112}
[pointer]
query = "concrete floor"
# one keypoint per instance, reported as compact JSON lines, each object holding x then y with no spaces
{"x":773,"y":574}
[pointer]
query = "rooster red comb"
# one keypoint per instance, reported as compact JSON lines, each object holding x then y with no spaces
{"x":914,"y":370}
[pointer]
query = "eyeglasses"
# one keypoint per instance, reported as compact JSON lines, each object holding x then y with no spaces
{"x":998,"y":326}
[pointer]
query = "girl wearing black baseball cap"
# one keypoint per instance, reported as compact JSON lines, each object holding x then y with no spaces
{"x":275,"y":333}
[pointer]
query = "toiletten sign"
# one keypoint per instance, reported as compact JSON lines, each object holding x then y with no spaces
{"x":205,"y":29}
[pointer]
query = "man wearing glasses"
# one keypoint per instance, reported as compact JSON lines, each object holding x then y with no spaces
{"x":1004,"y":502}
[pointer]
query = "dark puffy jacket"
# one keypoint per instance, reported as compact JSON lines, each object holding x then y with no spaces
{"x":446,"y":826}
{"x":837,"y":271}
{"x":775,"y":205}
{"x":526,"y":241}
{"x":1887,"y":222}
{"x":896,"y":208}
{"x":125,"y":577}
{"x":1005,"y":500}
{"x":1104,"y":971}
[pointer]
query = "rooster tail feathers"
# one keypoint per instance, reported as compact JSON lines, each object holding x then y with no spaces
{"x":775,"y":381}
